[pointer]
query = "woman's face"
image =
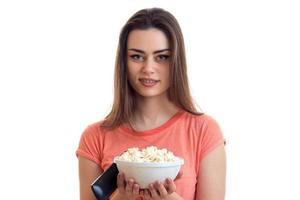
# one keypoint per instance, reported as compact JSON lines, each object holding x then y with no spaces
{"x":148,"y":62}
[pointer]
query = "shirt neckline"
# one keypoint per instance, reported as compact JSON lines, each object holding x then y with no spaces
{"x":162,"y":127}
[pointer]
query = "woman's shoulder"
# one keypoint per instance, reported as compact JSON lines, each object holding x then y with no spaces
{"x":201,"y":122}
{"x":200,"y":117}
{"x":205,"y":125}
{"x":95,"y":124}
{"x":93,"y":129}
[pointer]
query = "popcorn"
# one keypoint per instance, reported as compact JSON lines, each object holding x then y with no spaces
{"x":149,"y":154}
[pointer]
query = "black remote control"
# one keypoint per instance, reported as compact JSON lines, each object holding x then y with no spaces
{"x":105,"y":184}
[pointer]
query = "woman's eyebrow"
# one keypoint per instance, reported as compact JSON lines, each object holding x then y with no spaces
{"x":143,"y":52}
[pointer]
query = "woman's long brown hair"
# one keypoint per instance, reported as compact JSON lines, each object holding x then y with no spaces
{"x":124,"y":95}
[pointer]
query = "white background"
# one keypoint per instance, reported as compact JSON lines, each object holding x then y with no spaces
{"x":56,"y":70}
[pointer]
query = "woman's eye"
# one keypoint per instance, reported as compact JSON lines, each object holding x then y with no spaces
{"x":163,"y":57}
{"x":136,"y":57}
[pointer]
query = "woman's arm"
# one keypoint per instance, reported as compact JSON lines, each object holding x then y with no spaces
{"x":88,"y":172}
{"x":212,"y":175}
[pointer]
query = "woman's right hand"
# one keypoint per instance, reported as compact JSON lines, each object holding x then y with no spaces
{"x":129,"y":189}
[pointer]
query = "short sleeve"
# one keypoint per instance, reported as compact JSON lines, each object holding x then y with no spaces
{"x":211,"y":136}
{"x":90,"y":145}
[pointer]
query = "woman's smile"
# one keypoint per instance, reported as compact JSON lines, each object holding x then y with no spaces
{"x":148,"y":82}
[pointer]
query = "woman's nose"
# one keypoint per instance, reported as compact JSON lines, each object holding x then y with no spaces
{"x":148,"y":66}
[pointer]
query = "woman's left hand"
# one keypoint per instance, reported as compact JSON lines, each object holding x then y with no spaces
{"x":158,"y":190}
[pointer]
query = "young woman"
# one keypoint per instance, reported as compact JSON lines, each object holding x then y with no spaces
{"x":153,"y":107}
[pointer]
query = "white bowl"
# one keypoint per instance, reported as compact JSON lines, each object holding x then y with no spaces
{"x":145,"y":173}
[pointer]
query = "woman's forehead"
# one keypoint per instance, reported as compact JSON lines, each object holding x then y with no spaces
{"x":148,"y":40}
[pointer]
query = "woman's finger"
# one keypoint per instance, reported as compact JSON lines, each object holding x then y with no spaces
{"x":170,"y":186}
{"x":136,"y":189}
{"x":121,"y":182}
{"x":161,"y":189}
{"x":153,"y":192}
{"x":129,"y":186}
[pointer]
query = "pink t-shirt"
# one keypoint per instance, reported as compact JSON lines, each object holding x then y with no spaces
{"x":186,"y":135}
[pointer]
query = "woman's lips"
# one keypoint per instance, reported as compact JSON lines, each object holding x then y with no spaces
{"x":148,"y":82}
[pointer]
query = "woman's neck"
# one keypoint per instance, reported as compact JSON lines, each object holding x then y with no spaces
{"x":152,"y":112}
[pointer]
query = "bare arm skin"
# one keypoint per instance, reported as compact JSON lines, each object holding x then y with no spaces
{"x":212,"y":176}
{"x":88,"y":172}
